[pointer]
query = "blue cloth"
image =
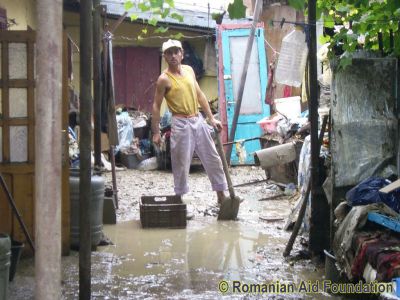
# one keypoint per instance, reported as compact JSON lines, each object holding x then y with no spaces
{"x":166,"y":119}
{"x":367,"y":192}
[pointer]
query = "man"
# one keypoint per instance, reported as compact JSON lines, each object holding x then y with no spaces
{"x":189,"y":131}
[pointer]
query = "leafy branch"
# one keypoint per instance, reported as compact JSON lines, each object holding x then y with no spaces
{"x":161,"y":9}
{"x":158,"y":10}
{"x":364,"y":24}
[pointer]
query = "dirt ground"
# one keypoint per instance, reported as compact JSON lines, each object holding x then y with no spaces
{"x":190,"y":263}
{"x":132,"y":184}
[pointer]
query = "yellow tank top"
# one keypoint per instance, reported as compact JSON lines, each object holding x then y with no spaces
{"x":181,"y":97}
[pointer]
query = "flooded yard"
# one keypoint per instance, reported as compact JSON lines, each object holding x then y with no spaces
{"x":197,"y":262}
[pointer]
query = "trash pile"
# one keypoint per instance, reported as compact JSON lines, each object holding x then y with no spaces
{"x":366,"y":241}
{"x":134,"y":150}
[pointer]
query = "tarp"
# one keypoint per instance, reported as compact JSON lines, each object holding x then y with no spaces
{"x":364,"y":131}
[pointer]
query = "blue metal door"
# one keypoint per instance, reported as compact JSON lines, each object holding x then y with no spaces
{"x":253,"y":107}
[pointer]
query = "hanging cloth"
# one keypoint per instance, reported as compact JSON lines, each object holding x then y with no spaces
{"x":271,"y":86}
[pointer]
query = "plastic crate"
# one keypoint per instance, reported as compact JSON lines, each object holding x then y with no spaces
{"x":162,"y":211}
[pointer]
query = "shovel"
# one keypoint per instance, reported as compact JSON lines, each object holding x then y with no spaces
{"x":229,"y":207}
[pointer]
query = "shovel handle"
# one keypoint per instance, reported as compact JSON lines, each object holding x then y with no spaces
{"x":221,"y":153}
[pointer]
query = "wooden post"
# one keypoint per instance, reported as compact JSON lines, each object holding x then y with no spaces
{"x":250,"y":41}
{"x":48,"y":150}
{"x":97,"y":82}
{"x":318,"y":239}
{"x":85,"y":150}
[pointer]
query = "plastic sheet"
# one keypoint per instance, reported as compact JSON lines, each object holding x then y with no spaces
{"x":364,"y":131}
{"x":367,"y":192}
{"x":125,"y":130}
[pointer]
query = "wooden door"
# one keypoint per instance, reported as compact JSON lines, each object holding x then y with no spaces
{"x":17,"y":141}
{"x":17,"y":135}
{"x":232,"y":47}
{"x":136,"y":70}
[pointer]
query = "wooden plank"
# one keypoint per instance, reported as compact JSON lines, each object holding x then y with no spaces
{"x":17,"y":36}
{"x":24,"y":201}
{"x":65,"y":205}
{"x":14,"y":122}
{"x":17,"y":83}
{"x":31,"y":102}
{"x":17,"y":168}
{"x":5,"y":208}
{"x":390,"y":187}
{"x":5,"y":103}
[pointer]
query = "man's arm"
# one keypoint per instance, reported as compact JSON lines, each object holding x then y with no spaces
{"x":158,"y":98}
{"x":201,"y":98}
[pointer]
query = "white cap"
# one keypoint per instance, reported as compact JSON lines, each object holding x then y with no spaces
{"x":170,"y":44}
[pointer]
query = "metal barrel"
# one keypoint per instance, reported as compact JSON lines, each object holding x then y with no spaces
{"x":97,"y":200}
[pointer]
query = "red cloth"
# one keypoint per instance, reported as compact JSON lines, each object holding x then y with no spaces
{"x":375,"y":249}
{"x":360,"y":260}
{"x":287,"y":91}
{"x":387,"y":263}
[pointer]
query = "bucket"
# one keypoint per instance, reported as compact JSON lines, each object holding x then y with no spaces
{"x":97,"y":201}
{"x":5,"y":254}
{"x":289,"y":107}
{"x":16,"y":250}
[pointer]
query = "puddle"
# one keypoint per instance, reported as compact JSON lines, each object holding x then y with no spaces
{"x":187,"y":263}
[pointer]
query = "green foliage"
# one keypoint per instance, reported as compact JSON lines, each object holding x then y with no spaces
{"x":161,"y":9}
{"x":297,"y":4}
{"x":161,"y":29}
{"x":177,"y":17}
{"x":158,"y":9}
{"x":363,"y":20}
{"x":344,"y":62}
{"x":218,"y":17}
{"x":177,"y":36}
{"x":237,"y":10}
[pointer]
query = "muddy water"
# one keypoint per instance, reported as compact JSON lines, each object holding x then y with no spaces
{"x":188,"y":263}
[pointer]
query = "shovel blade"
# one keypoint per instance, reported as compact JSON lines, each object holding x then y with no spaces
{"x":229,"y":209}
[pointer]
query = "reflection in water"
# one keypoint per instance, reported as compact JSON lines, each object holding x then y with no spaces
{"x":187,"y":263}
{"x":181,"y":263}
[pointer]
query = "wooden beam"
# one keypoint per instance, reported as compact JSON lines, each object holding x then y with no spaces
{"x":48,"y":150}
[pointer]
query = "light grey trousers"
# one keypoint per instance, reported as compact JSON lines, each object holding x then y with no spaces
{"x":189,"y":135}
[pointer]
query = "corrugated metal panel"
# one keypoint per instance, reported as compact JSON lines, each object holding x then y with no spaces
{"x":136,"y":70}
{"x":119,"y":55}
{"x":192,"y":18}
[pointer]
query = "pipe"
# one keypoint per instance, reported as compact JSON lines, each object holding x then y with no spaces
{"x":48,"y":150}
{"x":84,"y":149}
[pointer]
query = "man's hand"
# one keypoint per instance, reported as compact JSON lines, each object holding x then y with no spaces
{"x":216,"y":124}
{"x":157,"y":139}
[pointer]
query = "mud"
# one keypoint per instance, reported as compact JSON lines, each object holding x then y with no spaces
{"x":188,"y":263}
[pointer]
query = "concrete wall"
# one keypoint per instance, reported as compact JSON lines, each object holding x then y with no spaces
{"x":22,"y":11}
